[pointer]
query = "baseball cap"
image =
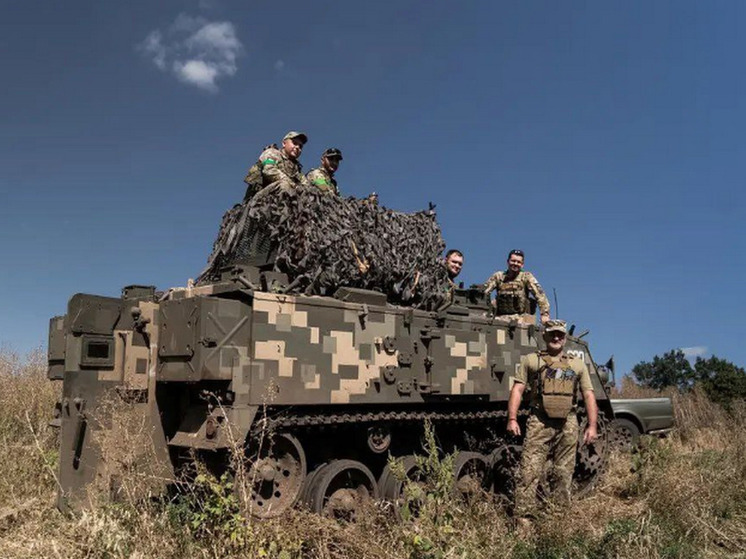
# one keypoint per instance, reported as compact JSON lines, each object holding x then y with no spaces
{"x":555,"y":326}
{"x":332,"y":152}
{"x":293,"y":134}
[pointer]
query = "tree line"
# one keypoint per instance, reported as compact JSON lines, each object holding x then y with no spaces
{"x":723,"y":381}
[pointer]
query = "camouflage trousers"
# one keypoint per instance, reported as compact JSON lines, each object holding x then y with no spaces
{"x":554,"y":439}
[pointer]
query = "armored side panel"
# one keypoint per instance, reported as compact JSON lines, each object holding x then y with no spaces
{"x":87,"y":357}
{"x":317,"y":350}
{"x":104,"y":363}
{"x":202,"y":338}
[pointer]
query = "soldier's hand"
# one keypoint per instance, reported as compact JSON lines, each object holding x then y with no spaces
{"x":544,"y":318}
{"x":590,"y":435}
{"x":514,"y":428}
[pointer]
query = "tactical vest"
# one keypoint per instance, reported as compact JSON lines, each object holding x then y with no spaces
{"x":253,"y":180}
{"x":557,"y":384}
{"x":512,"y":298}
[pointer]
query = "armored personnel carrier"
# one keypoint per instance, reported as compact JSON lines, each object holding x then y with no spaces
{"x":330,"y":385}
{"x":318,"y":391}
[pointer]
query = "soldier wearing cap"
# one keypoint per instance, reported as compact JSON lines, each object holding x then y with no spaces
{"x":555,"y":380}
{"x":277,"y":166}
{"x":513,"y":287}
{"x":323,"y":177}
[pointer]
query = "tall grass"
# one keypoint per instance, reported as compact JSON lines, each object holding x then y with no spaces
{"x":684,"y":496}
{"x":28,"y":451}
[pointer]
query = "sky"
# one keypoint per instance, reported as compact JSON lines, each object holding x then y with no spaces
{"x":605,"y":139}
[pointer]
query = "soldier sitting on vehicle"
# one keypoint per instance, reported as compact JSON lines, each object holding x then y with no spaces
{"x":277,"y":166}
{"x":513,"y":288}
{"x":454,"y":262}
{"x":323,"y":177}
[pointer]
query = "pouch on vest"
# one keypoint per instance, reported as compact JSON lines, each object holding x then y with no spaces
{"x":558,"y":386}
{"x":510,"y":302}
{"x":253,"y":181}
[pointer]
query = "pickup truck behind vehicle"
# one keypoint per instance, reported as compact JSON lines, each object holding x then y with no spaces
{"x":636,"y":416}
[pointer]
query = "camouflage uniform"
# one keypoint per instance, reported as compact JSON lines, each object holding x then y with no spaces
{"x":512,"y":295}
{"x":547,"y":437}
{"x":449,"y":290}
{"x":278,"y":168}
{"x":323,"y":180}
{"x":274,"y":168}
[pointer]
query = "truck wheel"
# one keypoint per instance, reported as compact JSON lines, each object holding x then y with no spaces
{"x":625,"y":435}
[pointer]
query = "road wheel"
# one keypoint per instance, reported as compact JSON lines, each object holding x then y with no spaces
{"x":505,"y":461}
{"x":405,"y":496}
{"x":274,"y":477}
{"x":471,"y":474}
{"x":341,"y":489}
{"x":591,"y":460}
{"x":625,"y":435}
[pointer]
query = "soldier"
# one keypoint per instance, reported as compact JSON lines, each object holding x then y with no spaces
{"x":323,"y":177}
{"x":513,"y":287}
{"x":552,"y":429}
{"x":277,"y":166}
{"x":454,"y":262}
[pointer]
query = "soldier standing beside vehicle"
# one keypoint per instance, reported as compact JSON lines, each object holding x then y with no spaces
{"x":513,"y":287}
{"x":554,"y":379}
{"x":277,"y":166}
{"x":323,"y":177}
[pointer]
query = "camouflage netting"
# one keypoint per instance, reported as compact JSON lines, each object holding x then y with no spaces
{"x":325,"y":242}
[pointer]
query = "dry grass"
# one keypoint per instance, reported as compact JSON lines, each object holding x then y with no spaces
{"x":684,"y":496}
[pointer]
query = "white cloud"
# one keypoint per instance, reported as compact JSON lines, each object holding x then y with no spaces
{"x":153,"y":47}
{"x":198,"y":73}
{"x":694,"y":351}
{"x":197,"y":51}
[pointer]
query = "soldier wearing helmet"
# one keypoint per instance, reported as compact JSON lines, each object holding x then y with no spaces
{"x":323,"y":177}
{"x":555,"y":380}
{"x":513,"y":287}
{"x":277,"y":166}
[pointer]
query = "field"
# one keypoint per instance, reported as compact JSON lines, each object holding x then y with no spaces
{"x":684,"y":496}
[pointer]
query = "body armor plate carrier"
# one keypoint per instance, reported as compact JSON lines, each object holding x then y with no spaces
{"x":557,"y":384}
{"x":512,"y":298}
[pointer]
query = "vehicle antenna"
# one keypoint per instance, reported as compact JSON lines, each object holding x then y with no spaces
{"x":556,"y":304}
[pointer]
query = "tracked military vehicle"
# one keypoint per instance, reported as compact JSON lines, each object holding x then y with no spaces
{"x":319,"y":390}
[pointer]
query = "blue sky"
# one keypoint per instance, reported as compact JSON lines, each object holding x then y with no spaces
{"x":603,"y":138}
